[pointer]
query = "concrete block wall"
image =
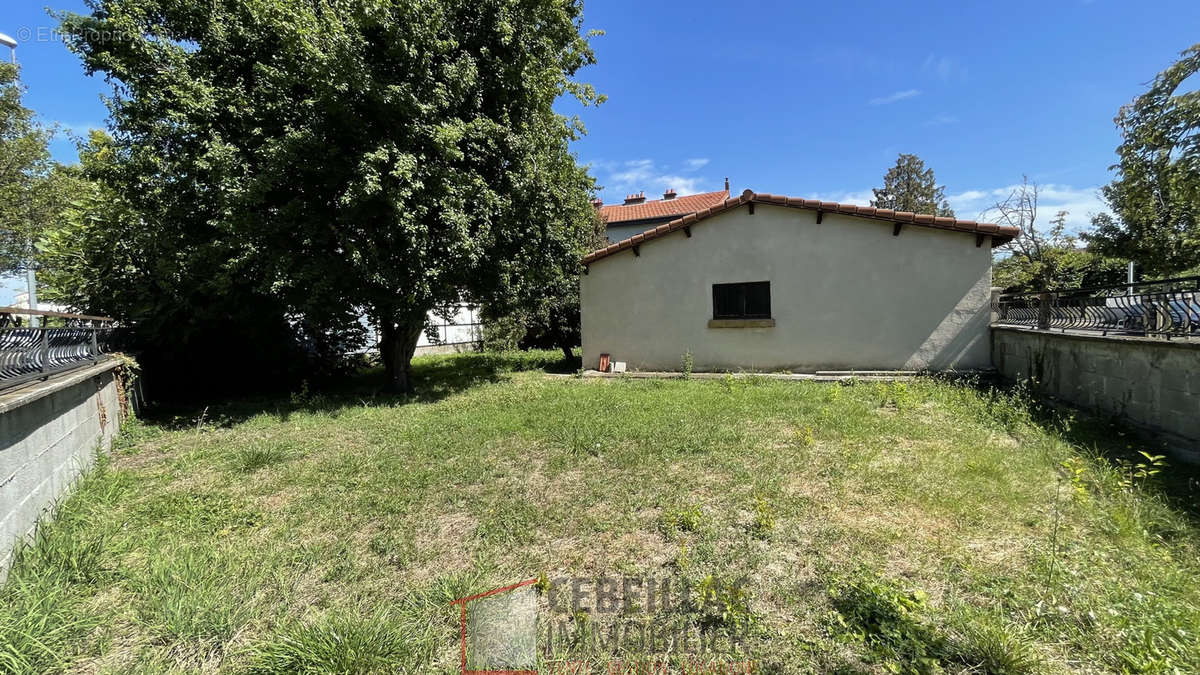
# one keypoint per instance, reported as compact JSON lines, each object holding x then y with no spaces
{"x":1152,"y":383}
{"x":50,"y":433}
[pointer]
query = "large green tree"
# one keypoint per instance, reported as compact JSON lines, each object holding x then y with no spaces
{"x":34,"y":189}
{"x":1156,"y":193}
{"x":910,"y":186}
{"x":385,"y":156}
{"x":196,"y":302}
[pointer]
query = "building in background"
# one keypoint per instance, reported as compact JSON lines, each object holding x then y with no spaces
{"x":637,"y":215}
{"x":21,"y":301}
{"x":461,"y":331}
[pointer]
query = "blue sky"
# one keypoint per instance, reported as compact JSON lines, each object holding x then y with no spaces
{"x":812,"y":99}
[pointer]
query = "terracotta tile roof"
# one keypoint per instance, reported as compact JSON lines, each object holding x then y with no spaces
{"x":662,"y":208}
{"x":1000,"y":234}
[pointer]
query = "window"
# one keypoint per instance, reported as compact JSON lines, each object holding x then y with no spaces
{"x":742,"y":301}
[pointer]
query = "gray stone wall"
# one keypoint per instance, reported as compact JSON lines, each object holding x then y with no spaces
{"x":49,"y":435}
{"x":1152,"y":383}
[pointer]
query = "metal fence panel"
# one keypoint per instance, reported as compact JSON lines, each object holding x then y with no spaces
{"x":30,"y":352}
{"x":1167,"y":308}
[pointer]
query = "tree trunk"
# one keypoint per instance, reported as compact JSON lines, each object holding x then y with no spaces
{"x":397,"y":342}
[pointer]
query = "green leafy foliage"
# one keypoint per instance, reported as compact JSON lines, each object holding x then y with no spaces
{"x":193,"y":300}
{"x":1061,"y":267}
{"x":682,"y":518}
{"x":764,"y":517}
{"x":888,"y":618}
{"x":303,"y":165}
{"x":1156,"y":195}
{"x":723,"y":602}
{"x":34,"y":189}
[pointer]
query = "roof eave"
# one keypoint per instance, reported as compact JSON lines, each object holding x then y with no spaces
{"x":1000,"y":234}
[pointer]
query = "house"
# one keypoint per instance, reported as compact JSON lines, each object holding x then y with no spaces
{"x":638,"y":215}
{"x":764,"y":282}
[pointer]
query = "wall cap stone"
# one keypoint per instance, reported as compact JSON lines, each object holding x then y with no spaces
{"x":27,"y":393}
{"x":1177,"y":343}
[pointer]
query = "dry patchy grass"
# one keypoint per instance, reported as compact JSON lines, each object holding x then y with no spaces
{"x":915,"y":527}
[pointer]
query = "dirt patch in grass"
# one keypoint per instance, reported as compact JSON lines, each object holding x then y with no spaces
{"x":443,"y":544}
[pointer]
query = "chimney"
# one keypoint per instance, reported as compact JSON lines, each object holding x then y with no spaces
{"x":727,"y":183}
{"x":635,"y":198}
{"x":597,"y":203}
{"x":669,"y":194}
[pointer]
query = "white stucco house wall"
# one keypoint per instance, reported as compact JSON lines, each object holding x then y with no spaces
{"x":763,"y":282}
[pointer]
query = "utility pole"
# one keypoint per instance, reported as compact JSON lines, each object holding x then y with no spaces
{"x":30,"y":274}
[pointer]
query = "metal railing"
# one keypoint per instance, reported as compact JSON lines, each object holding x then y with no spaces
{"x":1167,"y":309}
{"x":62,"y":342}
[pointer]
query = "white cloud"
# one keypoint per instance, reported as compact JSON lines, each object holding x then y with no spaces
{"x":633,"y":173}
{"x":858,"y":198}
{"x":682,"y":185}
{"x":943,"y":67}
{"x":637,"y":175}
{"x":895,"y":96}
{"x":1079,"y":203}
{"x":941,"y":119}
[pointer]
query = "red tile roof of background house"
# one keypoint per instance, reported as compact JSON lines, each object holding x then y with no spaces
{"x":1000,"y":234}
{"x":662,"y":208}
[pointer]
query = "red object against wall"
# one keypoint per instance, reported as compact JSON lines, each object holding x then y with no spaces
{"x":604,"y":364}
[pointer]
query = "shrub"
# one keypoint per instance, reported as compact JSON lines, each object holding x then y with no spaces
{"x":682,"y":519}
{"x":723,"y":602}
{"x":764,"y":517}
{"x":805,"y":436}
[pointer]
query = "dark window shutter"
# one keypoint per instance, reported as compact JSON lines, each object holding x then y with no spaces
{"x":750,"y":300}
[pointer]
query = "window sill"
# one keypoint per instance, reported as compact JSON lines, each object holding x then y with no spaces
{"x":741,"y":323}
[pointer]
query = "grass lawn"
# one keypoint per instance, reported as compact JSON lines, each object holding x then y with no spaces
{"x":910,"y":527}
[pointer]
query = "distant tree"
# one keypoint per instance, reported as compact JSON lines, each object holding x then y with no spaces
{"x":387,"y":156}
{"x":909,"y":186}
{"x":1044,"y":257}
{"x":34,"y":189}
{"x":1156,"y":194}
